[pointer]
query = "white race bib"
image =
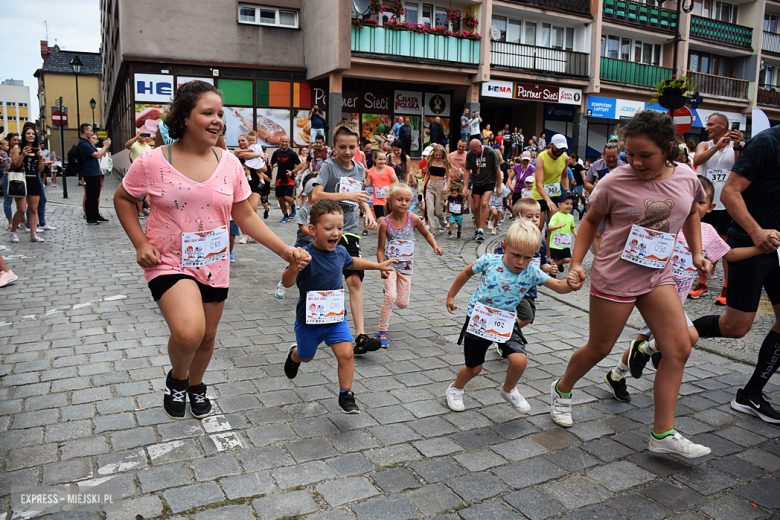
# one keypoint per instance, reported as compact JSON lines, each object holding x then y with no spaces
{"x":324,"y":307}
{"x":403,"y":250}
{"x":561,"y":240}
{"x":495,"y":200}
{"x":455,"y":208}
{"x":537,"y":262}
{"x":204,"y":247}
{"x":682,"y":262}
{"x":380,"y":193}
{"x":553,"y":190}
{"x":648,"y":248}
{"x":491,"y":324}
{"x":718,"y":176}
{"x":348,"y":185}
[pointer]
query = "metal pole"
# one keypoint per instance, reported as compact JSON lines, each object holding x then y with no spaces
{"x":677,"y":38}
{"x":64,"y":179}
{"x":78,"y":112}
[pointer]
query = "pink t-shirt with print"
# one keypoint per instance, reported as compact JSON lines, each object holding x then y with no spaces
{"x":713,"y":248}
{"x":179,"y":204}
{"x":626,"y":199}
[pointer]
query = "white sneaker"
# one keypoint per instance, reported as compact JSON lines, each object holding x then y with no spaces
{"x":280,"y":289}
{"x":455,"y":399}
{"x":515,"y":399}
{"x":2,"y":248}
{"x":36,"y":238}
{"x":39,"y":229}
{"x":560,"y":407}
{"x":48,"y":228}
{"x":7,"y":278}
{"x":243,"y":239}
{"x":14,"y":238}
{"x":678,"y":445}
{"x":490,"y":224}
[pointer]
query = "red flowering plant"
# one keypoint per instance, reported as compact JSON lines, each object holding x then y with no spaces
{"x":375,"y":6}
{"x":439,"y":30}
{"x":467,"y":35}
{"x":453,"y":17}
{"x":470,"y":21}
{"x":396,"y":8}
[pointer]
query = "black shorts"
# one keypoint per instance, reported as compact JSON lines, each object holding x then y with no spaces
{"x":719,"y":219}
{"x":379,"y":211}
{"x":208,"y":294}
{"x":475,"y":348}
{"x":560,"y":254}
{"x":543,"y":203}
{"x":747,"y":277}
{"x":481,"y":190}
{"x":285,"y":191}
{"x":526,"y":309}
{"x":353,"y":248}
{"x":265,"y":191}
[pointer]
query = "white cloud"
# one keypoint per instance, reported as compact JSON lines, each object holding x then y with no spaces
{"x":74,"y":24}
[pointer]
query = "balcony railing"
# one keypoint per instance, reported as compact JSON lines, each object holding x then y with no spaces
{"x":573,"y":6}
{"x":407,"y":44}
{"x":771,"y":43}
{"x":721,"y":32}
{"x":639,"y":14}
{"x":540,"y":59}
{"x":719,"y":85}
{"x":768,"y":95}
{"x":630,"y":72}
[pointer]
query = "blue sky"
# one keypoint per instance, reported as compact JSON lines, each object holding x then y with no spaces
{"x":74,"y":24}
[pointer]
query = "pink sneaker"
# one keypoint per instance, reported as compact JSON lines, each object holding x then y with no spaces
{"x":7,"y":278}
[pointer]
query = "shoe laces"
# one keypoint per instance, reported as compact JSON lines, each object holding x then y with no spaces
{"x":178,"y":396}
{"x":200,"y":398}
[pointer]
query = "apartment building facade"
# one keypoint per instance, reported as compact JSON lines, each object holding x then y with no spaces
{"x":571,"y":66}
{"x":14,"y":105}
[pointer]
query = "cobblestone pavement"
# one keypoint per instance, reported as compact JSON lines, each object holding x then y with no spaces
{"x":84,"y":356}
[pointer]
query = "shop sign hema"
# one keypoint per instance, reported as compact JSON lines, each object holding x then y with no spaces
{"x":153,"y":88}
{"x":498,"y":89}
{"x":405,"y":102}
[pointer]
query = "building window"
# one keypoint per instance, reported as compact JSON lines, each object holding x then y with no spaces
{"x":725,"y":12}
{"x":530,"y":33}
{"x":498,"y":29}
{"x":22,"y":105}
{"x":713,"y":64}
{"x":268,"y":16}
{"x":770,"y":23}
{"x":625,"y":49}
{"x":22,"y":119}
{"x":10,"y":104}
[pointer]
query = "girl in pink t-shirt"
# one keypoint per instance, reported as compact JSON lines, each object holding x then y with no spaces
{"x":381,"y":177}
{"x":194,"y":188}
{"x":645,"y":205}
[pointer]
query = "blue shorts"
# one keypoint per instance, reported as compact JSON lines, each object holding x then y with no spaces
{"x":456,"y":219}
{"x":234,"y":230}
{"x":309,"y":337}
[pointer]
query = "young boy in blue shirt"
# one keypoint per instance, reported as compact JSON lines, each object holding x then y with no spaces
{"x":320,"y":313}
{"x":504,"y":281}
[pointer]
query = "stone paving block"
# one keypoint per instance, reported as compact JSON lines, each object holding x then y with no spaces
{"x":533,"y":504}
{"x":432,"y":427}
{"x":152,"y":416}
{"x":436,"y":470}
{"x":248,"y":485}
{"x":764,"y":492}
{"x":21,"y":438}
{"x":24,"y":477}
{"x":121,"y":461}
{"x":437,"y":447}
{"x":233,"y":512}
{"x":351,"y":441}
{"x":477,"y":486}
{"x":239,"y":403}
{"x":162,"y":477}
{"x":434,"y":499}
{"x":519,"y":449}
{"x":30,"y":457}
{"x":173,"y":451}
{"x":264,"y":458}
{"x":133,"y":438}
{"x":42,"y":402}
{"x":575,"y":492}
{"x":180,"y":430}
{"x":528,"y":473}
{"x":661,"y":465}
{"x":188,"y":497}
{"x":145,"y":507}
{"x":607,"y":449}
{"x":706,"y":480}
{"x":394,"y":433}
{"x":302,"y":474}
{"x":637,"y":507}
{"x":33,"y":419}
{"x":555,"y":440}
{"x":311,"y":449}
{"x":477,"y":438}
{"x":395,"y":480}
{"x":393,"y":455}
{"x":672,"y":497}
{"x":343,"y":491}
{"x":731,"y":507}
{"x":85,"y":447}
{"x":468,"y":420}
{"x":265,"y":435}
{"x":120,"y":421}
{"x":514,"y":429}
{"x":762,"y":459}
{"x":211,"y":468}
{"x":572,"y":460}
{"x":391,"y":414}
{"x":352,"y":464}
{"x":91,"y":395}
{"x":491,"y":510}
{"x":621,"y":475}
{"x":284,"y":505}
{"x":335,"y":514}
{"x":599,"y":511}
{"x":393,"y":507}
{"x":66,"y":471}
{"x":735,"y":466}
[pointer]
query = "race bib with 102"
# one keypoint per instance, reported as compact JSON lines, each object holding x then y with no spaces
{"x":648,"y":247}
{"x":201,"y":248}
{"x":348,"y":185}
{"x":491,"y":324}
{"x":324,"y":307}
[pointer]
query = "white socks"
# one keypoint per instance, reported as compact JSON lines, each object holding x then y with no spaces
{"x":649,"y":348}
{"x":620,"y":371}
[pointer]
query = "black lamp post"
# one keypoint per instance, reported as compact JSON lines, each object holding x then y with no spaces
{"x":92,"y":105}
{"x":76,"y":64}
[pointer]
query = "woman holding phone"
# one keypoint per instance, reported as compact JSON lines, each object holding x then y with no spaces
{"x":28,"y":158}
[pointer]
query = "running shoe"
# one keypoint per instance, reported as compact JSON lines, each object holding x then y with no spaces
{"x":243,"y":239}
{"x":756,"y":405}
{"x":200,"y":406}
{"x":455,"y":399}
{"x":494,"y":231}
{"x":53,"y":185}
{"x":364,"y":343}
{"x":449,"y":235}
{"x":458,"y":235}
{"x":232,"y":258}
{"x":36,"y":238}
{"x":290,"y":366}
{"x":2,"y":248}
{"x":175,"y":398}
{"x":490,"y":224}
{"x":101,"y":218}
{"x":466,"y":211}
{"x":48,"y":228}
{"x":515,"y":399}
{"x":280,"y":290}
{"x":14,"y":238}
{"x":698,"y":291}
{"x":676,"y":444}
{"x":7,"y":278}
{"x":284,"y":219}
{"x":93,"y":222}
{"x":347,"y":402}
{"x":476,"y":234}
{"x":560,"y":407}
{"x":265,"y":214}
{"x":618,"y":388}
{"x":637,"y":359}
{"x":294,"y":211}
{"x":721,"y":299}
{"x":382,"y":336}
{"x":480,"y":236}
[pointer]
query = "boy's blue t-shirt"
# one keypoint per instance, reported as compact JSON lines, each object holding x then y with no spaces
{"x":322,"y":274}
{"x":499,"y":287}
{"x":541,"y":255}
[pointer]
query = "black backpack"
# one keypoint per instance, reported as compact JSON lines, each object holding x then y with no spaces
{"x":75,"y":166}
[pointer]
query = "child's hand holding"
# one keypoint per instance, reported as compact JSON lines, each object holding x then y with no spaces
{"x":299,"y":257}
{"x":577,"y":273}
{"x":384,"y":274}
{"x":439,"y":251}
{"x":553,"y":268}
{"x":705,"y":268}
{"x":451,"y":307}
{"x":574,"y":281}
{"x":385,"y":266}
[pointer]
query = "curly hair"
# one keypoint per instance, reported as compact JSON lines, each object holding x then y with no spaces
{"x":657,"y":127}
{"x":184,"y":102}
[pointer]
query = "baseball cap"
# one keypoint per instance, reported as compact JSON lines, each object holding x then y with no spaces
{"x":559,"y":140}
{"x":565,"y":195}
{"x":529,"y":180}
{"x":427,"y":151}
{"x":497,"y":146}
{"x":525,"y":156}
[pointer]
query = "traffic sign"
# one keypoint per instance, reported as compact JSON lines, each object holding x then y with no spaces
{"x":683,"y":119}
{"x":102,"y":134}
{"x":59,"y":118}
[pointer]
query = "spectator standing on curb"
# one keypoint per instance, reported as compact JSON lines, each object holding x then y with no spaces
{"x":88,"y":157}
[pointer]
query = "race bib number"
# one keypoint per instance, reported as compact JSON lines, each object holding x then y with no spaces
{"x":324,"y":307}
{"x":495,"y":200}
{"x":491,"y":324}
{"x":204,"y":247}
{"x":682,"y":262}
{"x":537,"y":262}
{"x":561,"y":240}
{"x":718,"y":176}
{"x":553,"y":190}
{"x":455,"y":208}
{"x":380,"y":193}
{"x":403,"y":250}
{"x":648,"y":248}
{"x":348,"y":185}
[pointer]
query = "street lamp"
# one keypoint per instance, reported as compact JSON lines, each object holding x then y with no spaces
{"x":92,"y":105}
{"x":76,"y":64}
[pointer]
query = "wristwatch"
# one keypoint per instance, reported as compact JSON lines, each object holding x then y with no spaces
{"x":738,"y":148}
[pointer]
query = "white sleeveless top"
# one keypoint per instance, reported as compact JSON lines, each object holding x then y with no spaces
{"x":717,"y":170}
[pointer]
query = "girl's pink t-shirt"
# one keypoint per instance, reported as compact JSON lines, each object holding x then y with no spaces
{"x":181,"y":205}
{"x":380,"y":180}
{"x":626,"y":199}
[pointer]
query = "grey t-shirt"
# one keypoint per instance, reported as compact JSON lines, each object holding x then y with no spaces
{"x":303,"y":220}
{"x":329,"y":177}
{"x":483,"y":166}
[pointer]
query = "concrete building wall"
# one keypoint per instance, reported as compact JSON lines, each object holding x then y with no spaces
{"x":327,"y":36}
{"x":12,"y":115}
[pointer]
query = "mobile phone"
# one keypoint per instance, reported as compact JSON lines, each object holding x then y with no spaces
{"x":146,"y":135}
{"x":735,"y":126}
{"x":34,"y":150}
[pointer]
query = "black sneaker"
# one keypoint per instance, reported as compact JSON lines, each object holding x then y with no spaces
{"x":93,"y":222}
{"x":101,"y":219}
{"x":655,"y":359}
{"x":290,"y":366}
{"x":200,"y":406}
{"x":618,"y":388}
{"x":475,"y":235}
{"x":480,"y":236}
{"x":347,"y":402}
{"x":365,"y":343}
{"x":637,"y":359}
{"x":458,"y":235}
{"x":175,"y":398}
{"x":466,"y":211}
{"x":265,"y":214}
{"x":756,"y":405}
